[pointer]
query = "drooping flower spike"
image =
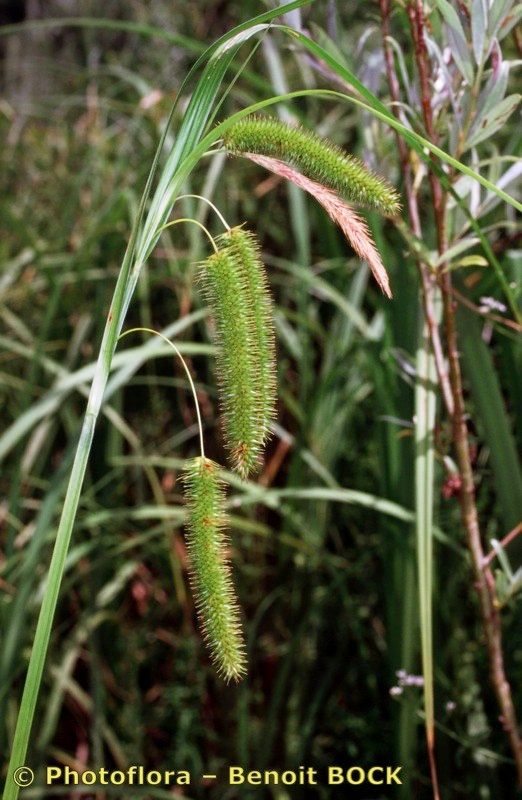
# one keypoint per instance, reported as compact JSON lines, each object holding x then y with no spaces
{"x":245,"y":250}
{"x":323,"y":170}
{"x":207,"y":546}
{"x":235,"y":286}
{"x":317,"y":158}
{"x":209,"y":567}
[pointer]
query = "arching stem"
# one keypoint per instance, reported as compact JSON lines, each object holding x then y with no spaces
{"x":195,"y":222}
{"x":185,"y":367}
{"x":209,"y":202}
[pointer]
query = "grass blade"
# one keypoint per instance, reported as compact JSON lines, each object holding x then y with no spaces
{"x":425,"y":408}
{"x":493,"y":420}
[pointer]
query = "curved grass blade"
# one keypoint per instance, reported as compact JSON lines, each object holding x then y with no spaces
{"x":494,"y":423}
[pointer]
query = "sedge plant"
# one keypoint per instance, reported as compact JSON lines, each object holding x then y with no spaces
{"x":331,"y":177}
{"x":235,"y":286}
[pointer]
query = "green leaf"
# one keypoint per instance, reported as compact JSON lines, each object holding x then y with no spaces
{"x":455,"y":250}
{"x":492,"y":93}
{"x":494,"y":120}
{"x":479,"y":22}
{"x":472,"y":261}
{"x":493,"y":420}
{"x":457,"y":40}
{"x":425,"y":410}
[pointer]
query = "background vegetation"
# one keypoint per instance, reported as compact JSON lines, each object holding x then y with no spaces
{"x":324,"y":546}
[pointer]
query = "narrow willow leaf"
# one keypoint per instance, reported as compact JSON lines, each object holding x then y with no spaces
{"x":457,"y":40}
{"x":495,"y":119}
{"x":224,"y":288}
{"x":317,"y":158}
{"x":479,"y":23}
{"x":244,"y":249}
{"x":492,"y":93}
{"x":498,"y":10}
{"x":510,"y":20}
{"x":461,"y":54}
{"x":211,"y":581}
{"x":451,"y":17}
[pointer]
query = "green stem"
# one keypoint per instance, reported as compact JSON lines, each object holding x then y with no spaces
{"x":45,"y":619}
{"x":187,"y":372}
{"x":63,"y":536}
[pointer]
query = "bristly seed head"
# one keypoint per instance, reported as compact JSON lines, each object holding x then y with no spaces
{"x":235,"y":287}
{"x":211,"y":580}
{"x":317,"y":158}
{"x":244,"y":248}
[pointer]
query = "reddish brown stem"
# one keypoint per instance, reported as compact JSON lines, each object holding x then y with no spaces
{"x":427,"y":279}
{"x":508,"y":323}
{"x":508,"y":538}
{"x":484,"y":581}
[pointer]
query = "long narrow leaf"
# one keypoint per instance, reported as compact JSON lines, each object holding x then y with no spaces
{"x":425,"y":408}
{"x":493,"y":422}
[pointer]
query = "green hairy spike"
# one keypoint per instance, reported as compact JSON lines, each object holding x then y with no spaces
{"x":224,"y":287}
{"x":317,"y":158}
{"x":211,"y":581}
{"x":245,"y":250}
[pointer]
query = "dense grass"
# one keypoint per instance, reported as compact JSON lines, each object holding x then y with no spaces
{"x":323,"y":541}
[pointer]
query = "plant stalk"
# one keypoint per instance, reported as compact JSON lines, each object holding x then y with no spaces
{"x":484,"y":580}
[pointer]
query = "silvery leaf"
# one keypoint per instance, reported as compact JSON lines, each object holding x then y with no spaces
{"x":462,"y":186}
{"x":451,"y":17}
{"x":512,"y":19}
{"x":444,"y":74}
{"x":479,"y":21}
{"x":457,"y":40}
{"x":510,"y":176}
{"x":499,"y":9}
{"x":454,"y":135}
{"x":408,"y":84}
{"x":496,"y":118}
{"x":492,"y":94}
{"x":461,"y":55}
